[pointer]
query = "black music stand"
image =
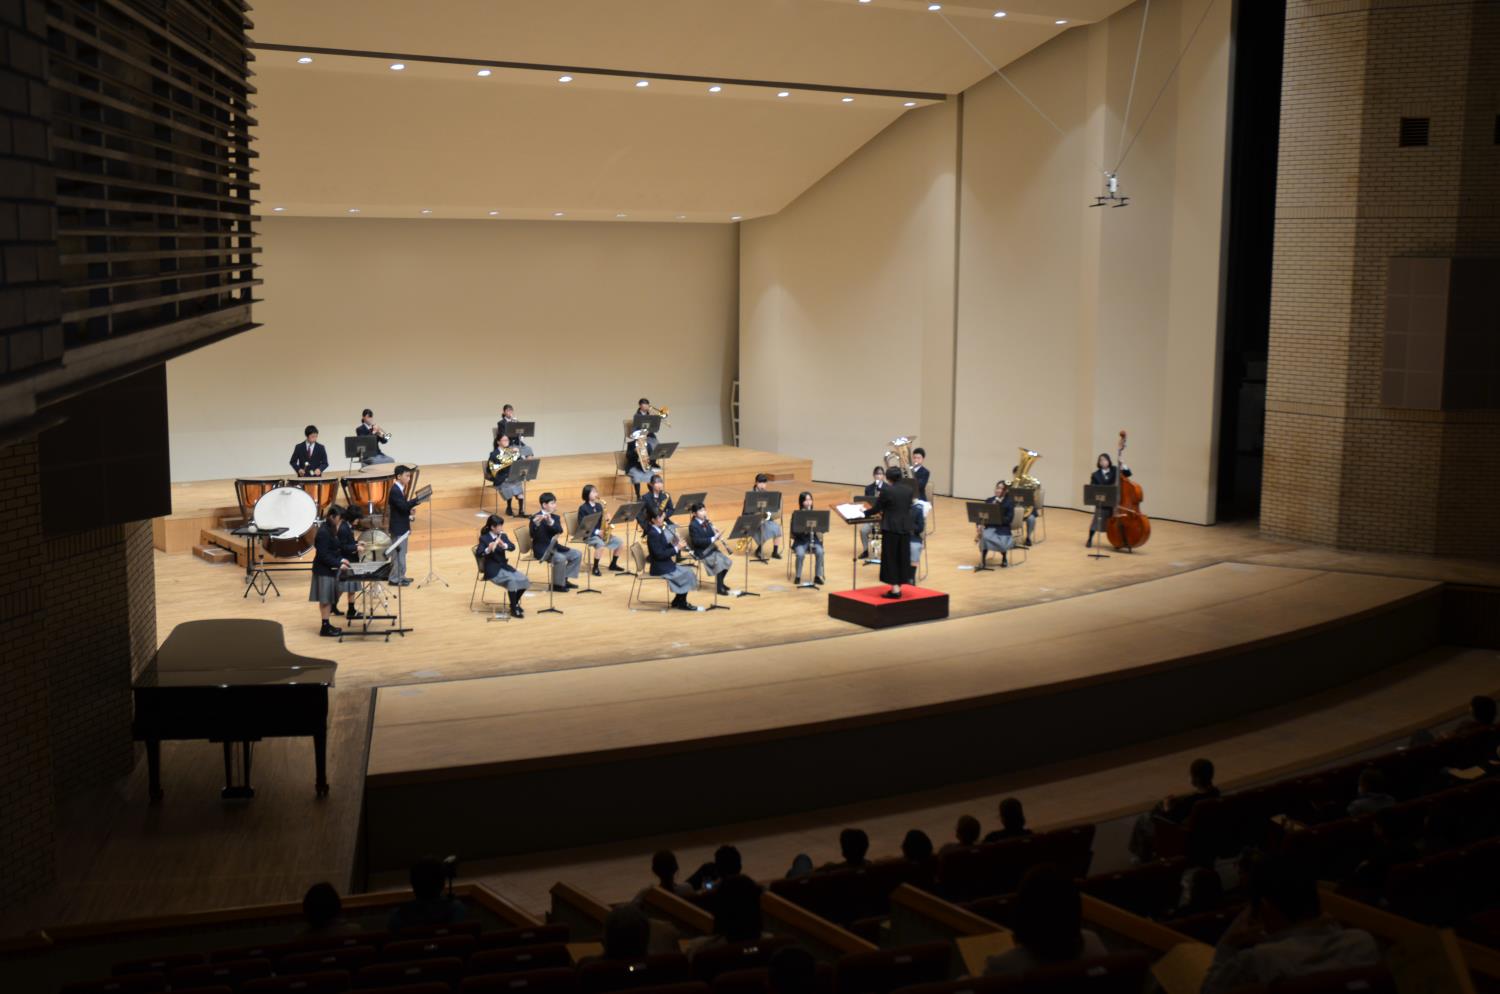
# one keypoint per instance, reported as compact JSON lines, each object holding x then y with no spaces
{"x":586,"y":527}
{"x":518,"y":431}
{"x":551,"y":608}
{"x":523,"y":471}
{"x":767,"y":504}
{"x":982,"y":514}
{"x":626,"y":514}
{"x":1101,"y":495}
{"x":358,"y":448}
{"x":369,"y":580}
{"x":716,"y":606}
{"x":257,"y":577}
{"x":650,"y":422}
{"x":425,"y":496}
{"x":863,"y":519}
{"x":663,"y":452}
{"x":744,"y":525}
{"x":814,"y":523}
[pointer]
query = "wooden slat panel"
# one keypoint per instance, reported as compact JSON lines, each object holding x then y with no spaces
{"x":88,"y":257}
{"x":136,"y":305}
{"x":129,"y":207}
{"x":156,"y":164}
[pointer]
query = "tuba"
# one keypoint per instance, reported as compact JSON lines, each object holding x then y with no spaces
{"x":900,"y":451}
{"x":1023,"y":482}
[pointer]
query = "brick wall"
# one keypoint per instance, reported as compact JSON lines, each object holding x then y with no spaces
{"x":1348,"y":199}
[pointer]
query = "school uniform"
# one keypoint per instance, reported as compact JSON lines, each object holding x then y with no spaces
{"x":545,"y":537}
{"x":350,"y":549}
{"x":640,"y":475}
{"x":328,"y":555}
{"x":918,"y":536}
{"x":595,"y":540}
{"x":399,"y":517}
{"x":649,"y":504}
{"x":662,"y":555}
{"x":309,"y":458}
{"x":701,"y":541}
{"x":1106,"y":478}
{"x":769,"y":531}
{"x":804,"y":543}
{"x":374,"y":457}
{"x":508,"y":491}
{"x":997,"y":537}
{"x":504,"y":425}
{"x":920,"y":476}
{"x":496,"y":566}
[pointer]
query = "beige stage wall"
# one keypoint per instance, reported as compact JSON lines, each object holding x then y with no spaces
{"x":1071,"y":322}
{"x":434,"y":324}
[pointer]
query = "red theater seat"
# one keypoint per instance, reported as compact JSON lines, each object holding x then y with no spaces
{"x":517,"y":958}
{"x":324,"y":982}
{"x":618,"y":975}
{"x":885,"y":970}
{"x":559,"y":980}
{"x":442,"y":970}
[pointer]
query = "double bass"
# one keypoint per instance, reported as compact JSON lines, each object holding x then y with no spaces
{"x":1127,"y":528}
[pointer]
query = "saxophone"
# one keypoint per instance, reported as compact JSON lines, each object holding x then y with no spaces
{"x":605,"y":528}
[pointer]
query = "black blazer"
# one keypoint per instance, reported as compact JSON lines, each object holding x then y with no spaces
{"x":365,"y":429}
{"x":585,"y":509}
{"x":918,"y":522}
{"x":1107,"y":477}
{"x":894,"y":506}
{"x":303,"y":464}
{"x":701,"y":537}
{"x":649,"y":504}
{"x":400,"y":512}
{"x":871,"y":489}
{"x":347,"y":542}
{"x":493,"y":562}
{"x":661,"y":552}
{"x":542,"y":536}
{"x":329,"y":554}
{"x":919,"y":475}
{"x":1007,"y":511}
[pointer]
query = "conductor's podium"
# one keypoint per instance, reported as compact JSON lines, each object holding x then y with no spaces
{"x":869,"y":608}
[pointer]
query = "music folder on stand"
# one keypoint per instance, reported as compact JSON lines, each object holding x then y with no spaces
{"x":523,"y":471}
{"x":764,"y":504}
{"x":1101,"y":495}
{"x":744,"y":525}
{"x":358,"y":448}
{"x":814,"y":524}
{"x":982,"y":514}
{"x":257,"y":577}
{"x":586,"y":528}
{"x":369,"y":574}
{"x":663,"y":452}
{"x":625,"y":515}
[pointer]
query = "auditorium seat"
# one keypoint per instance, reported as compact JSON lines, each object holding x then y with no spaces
{"x":534,"y":935}
{"x":513,"y":959}
{"x":323,"y":982}
{"x":438,"y":931}
{"x":1207,"y":926}
{"x":997,"y":909}
{"x":709,"y":963}
{"x":422,"y":988}
{"x":1122,"y":973}
{"x":885,"y":970}
{"x":756,"y":981}
{"x":997,"y":867}
{"x":687,"y":987}
{"x":427,"y":948}
{"x":601,"y":976}
{"x":1149,"y":890}
{"x":1335,"y":848}
{"x":442,"y":970}
{"x":837,"y":895}
{"x":340,"y":940}
{"x":557,"y":980}
{"x":157,"y":964}
{"x":334,"y":958}
{"x":198,"y":990}
{"x":140,"y":982}
{"x":231,"y":973}
{"x":1358,"y":980}
{"x":272,"y":951}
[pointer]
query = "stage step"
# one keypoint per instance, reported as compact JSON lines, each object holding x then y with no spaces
{"x":213,"y":554}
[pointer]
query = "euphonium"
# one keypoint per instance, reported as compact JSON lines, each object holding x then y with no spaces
{"x":642,"y":447}
{"x":1023,"y":478}
{"x":900,"y":451}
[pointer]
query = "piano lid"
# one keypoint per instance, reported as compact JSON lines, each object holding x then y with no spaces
{"x":231,"y":652}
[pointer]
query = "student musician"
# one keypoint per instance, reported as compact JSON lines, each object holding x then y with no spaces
{"x":662,"y":552}
{"x":506,"y":426}
{"x":547,"y":538}
{"x":1105,"y":475}
{"x":367,"y":426}
{"x":351,"y":550}
{"x":804,"y":543}
{"x":400,"y":511}
{"x":310,"y":458}
{"x":595,"y":539}
{"x":510,"y":491}
{"x":328,"y":560}
{"x":920,"y":474}
{"x":893,"y":503}
{"x":867,"y":530}
{"x":1030,"y":517}
{"x":491,"y":550}
{"x":996,"y":536}
{"x":657,"y":499}
{"x":639,"y":475}
{"x":919,"y":509}
{"x":769,"y":531}
{"x":701,"y":538}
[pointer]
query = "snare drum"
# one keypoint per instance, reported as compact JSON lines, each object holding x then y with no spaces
{"x":294,"y":510}
{"x":322,"y":490}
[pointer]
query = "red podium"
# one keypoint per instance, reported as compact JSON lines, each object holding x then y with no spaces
{"x":867,"y":607}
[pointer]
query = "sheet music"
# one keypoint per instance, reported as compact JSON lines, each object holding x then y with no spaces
{"x":852,"y":512}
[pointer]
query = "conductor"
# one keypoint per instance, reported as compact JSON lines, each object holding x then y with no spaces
{"x":893,"y":503}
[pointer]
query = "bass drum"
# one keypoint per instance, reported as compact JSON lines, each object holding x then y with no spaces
{"x":293,"y":509}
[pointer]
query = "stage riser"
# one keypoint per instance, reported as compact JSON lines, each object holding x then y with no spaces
{"x":694,"y":785}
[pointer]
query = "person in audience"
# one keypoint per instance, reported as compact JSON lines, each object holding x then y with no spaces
{"x":965,"y":834}
{"x":627,"y":935}
{"x":917,"y":846}
{"x":1481,"y":715}
{"x":1373,"y":794}
{"x":1173,"y":807}
{"x":429,"y":905}
{"x":664,"y":868}
{"x":1202,"y":892}
{"x":1048,"y":918}
{"x":323,"y":911}
{"x":726,"y":863}
{"x":1391,"y":843}
{"x":792,"y":970}
{"x":1441,"y":831}
{"x":1283,"y":934}
{"x":1012,"y":821}
{"x":854,"y":845}
{"x":737,"y":916}
{"x":802,"y":866}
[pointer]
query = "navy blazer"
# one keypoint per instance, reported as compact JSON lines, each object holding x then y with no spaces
{"x":347,"y":542}
{"x":871,"y":489}
{"x":649,"y":504}
{"x":329,"y":554}
{"x":1007,"y":512}
{"x":701,"y":537}
{"x":1107,"y":477}
{"x":542,"y":536}
{"x":364,"y":429}
{"x":401,"y":508}
{"x":661,"y":552}
{"x":493,"y":562}
{"x":893,"y":503}
{"x":304,"y":464}
{"x":585,"y":509}
{"x":919,"y":475}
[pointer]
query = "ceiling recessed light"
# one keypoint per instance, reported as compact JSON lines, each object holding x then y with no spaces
{"x":619,"y":215}
{"x":909,"y":103}
{"x":304,"y":60}
{"x":426,"y":210}
{"x":354,"y":210}
{"x":397,"y":66}
{"x":642,"y":83}
{"x":784,"y":93}
{"x":847,"y":100}
{"x":682,"y":217}
{"x":1061,"y":20}
{"x":715,"y":88}
{"x":565,"y":79}
{"x":482,"y":72}
{"x":557,"y":213}
{"x":738,"y":217}
{"x":864,"y":1}
{"x":934,"y":6}
{"x":999,"y":13}
{"x":278,"y":210}
{"x":494,"y":213}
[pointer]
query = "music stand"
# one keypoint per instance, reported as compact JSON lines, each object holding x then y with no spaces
{"x":650,"y":422}
{"x":812,"y":523}
{"x":982,"y":514}
{"x":688,"y":500}
{"x":766,"y":503}
{"x":662,"y":453}
{"x":369,"y":583}
{"x":425,"y":496}
{"x":847,"y":512}
{"x":358,"y":448}
{"x":626,"y":514}
{"x":586,"y":527}
{"x":743,"y":526}
{"x":518,"y":430}
{"x":1101,"y":495}
{"x":523,"y":471}
{"x":257,"y":577}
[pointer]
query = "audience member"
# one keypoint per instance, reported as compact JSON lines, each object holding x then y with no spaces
{"x":1174,"y":808}
{"x":965,"y":834}
{"x":1202,"y":892}
{"x":1048,"y":917}
{"x":802,"y":865}
{"x":1012,"y":821}
{"x":854,"y":844}
{"x":792,"y":971}
{"x":664,"y":868}
{"x":1392,"y":843}
{"x":429,"y":905}
{"x":726,"y":863}
{"x":917,"y":846}
{"x":323,"y":911}
{"x":1283,"y":934}
{"x":1373,"y":795}
{"x":1441,"y":831}
{"x":1481,"y":715}
{"x":627,"y":934}
{"x":736,"y":915}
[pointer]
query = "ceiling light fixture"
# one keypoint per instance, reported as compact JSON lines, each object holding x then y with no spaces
{"x":999,"y":13}
{"x":565,"y":79}
{"x":619,"y":215}
{"x":354,"y":210}
{"x":682,"y":217}
{"x":642,"y":83}
{"x":784,"y":93}
{"x":397,"y":66}
{"x":1062,"y":20}
{"x":557,"y":213}
{"x":304,"y":60}
{"x":426,"y":210}
{"x":278,"y":210}
{"x":847,"y":100}
{"x":715,"y":88}
{"x":738,"y":217}
{"x":483,"y":72}
{"x":934,"y":6}
{"x":909,"y":103}
{"x":864,"y":1}
{"x":494,"y":213}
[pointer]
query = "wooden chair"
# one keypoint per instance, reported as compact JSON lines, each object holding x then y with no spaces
{"x":481,"y":591}
{"x":642,"y":570}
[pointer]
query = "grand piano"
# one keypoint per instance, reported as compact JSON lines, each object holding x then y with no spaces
{"x":231,"y":680}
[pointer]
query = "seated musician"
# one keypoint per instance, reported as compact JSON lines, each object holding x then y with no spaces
{"x":920,"y":474}
{"x":367,"y":426}
{"x":310,"y":458}
{"x":919,"y":509}
{"x":662,"y":552}
{"x":867,"y":530}
{"x":328,"y":559}
{"x":1104,"y":475}
{"x":770,"y":530}
{"x":510,"y":491}
{"x":997,"y":537}
{"x":506,"y":426}
{"x":807,"y":542}
{"x":351,"y":550}
{"x":491,"y":550}
{"x":595,"y":539}
{"x":701,"y":537}
{"x":1031,"y":516}
{"x":547,"y":538}
{"x":657,"y":499}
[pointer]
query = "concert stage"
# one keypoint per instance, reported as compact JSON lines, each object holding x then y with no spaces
{"x":672,"y":744}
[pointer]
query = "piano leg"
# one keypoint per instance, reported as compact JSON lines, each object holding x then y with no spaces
{"x":231,"y":789}
{"x":320,"y":756}
{"x":153,"y":768}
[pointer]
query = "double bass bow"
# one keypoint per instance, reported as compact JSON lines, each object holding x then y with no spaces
{"x":1127,"y":528}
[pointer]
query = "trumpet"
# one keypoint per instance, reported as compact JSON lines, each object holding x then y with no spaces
{"x":665,"y":413}
{"x":380,"y":434}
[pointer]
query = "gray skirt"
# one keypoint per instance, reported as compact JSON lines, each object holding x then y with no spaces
{"x":715,"y":561}
{"x":641,"y":476}
{"x":595,"y":542}
{"x":997,"y":543}
{"x":350,"y":586}
{"x":510,"y":491}
{"x":510,"y":578}
{"x":769,"y":530}
{"x":324,"y":589}
{"x":682,"y":580}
